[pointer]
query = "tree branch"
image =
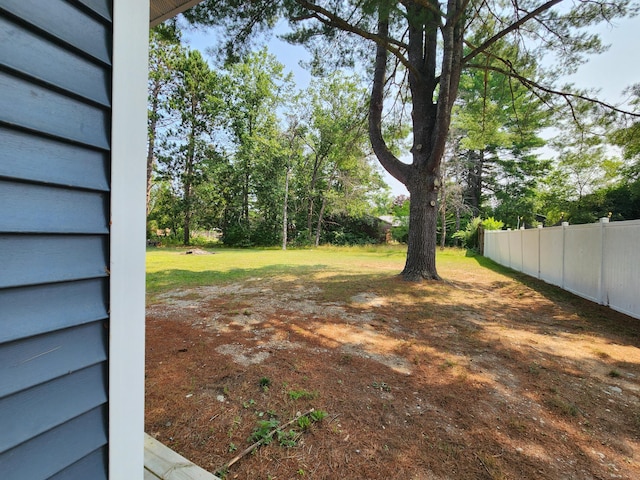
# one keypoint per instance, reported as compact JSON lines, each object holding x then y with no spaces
{"x":509,"y":29}
{"x":391,"y":164}
{"x":330,"y":19}
{"x":533,"y":85}
{"x":453,"y":38}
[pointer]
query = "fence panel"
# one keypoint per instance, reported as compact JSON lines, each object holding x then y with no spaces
{"x":502,"y":249}
{"x":600,"y":262}
{"x":531,"y":245}
{"x":551,"y":248}
{"x":515,"y":250}
{"x":582,"y":260}
{"x":621,"y":275}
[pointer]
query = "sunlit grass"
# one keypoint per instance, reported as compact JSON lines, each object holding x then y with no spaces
{"x":171,"y":268}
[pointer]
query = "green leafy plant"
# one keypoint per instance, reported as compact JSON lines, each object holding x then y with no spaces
{"x":263,"y":433}
{"x":265,"y":383}
{"x":304,"y":422}
{"x":318,"y":415}
{"x":469,"y":236}
{"x":287,"y":439}
{"x":302,"y":394}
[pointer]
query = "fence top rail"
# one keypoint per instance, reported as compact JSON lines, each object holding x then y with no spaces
{"x":625,"y":223}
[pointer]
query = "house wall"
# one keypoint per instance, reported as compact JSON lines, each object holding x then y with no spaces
{"x":55,"y":108}
{"x":595,"y":261}
{"x":71,"y":291}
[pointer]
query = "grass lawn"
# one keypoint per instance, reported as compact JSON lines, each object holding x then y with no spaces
{"x":170,"y":268}
{"x":487,"y":374}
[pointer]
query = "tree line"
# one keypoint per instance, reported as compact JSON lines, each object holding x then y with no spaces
{"x":474,"y":124}
{"x":238,"y":149}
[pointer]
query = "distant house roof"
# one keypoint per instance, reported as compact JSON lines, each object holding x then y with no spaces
{"x":391,"y":220}
{"x":163,"y":9}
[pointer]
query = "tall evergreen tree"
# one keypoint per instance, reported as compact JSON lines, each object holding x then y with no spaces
{"x":165,"y":54}
{"x":189,"y":146}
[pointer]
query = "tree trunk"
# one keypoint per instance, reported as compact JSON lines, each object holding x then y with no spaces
{"x":284,"y":211}
{"x":312,"y":191}
{"x":443,"y":221}
{"x":455,"y":240}
{"x":319,"y":225}
{"x":187,"y":229}
{"x":423,"y":221}
{"x":153,"y":123}
{"x":475,"y":161}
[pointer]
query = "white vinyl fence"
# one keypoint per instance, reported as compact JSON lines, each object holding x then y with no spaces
{"x":600,"y":261}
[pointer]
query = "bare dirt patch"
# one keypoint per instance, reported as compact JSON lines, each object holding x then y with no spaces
{"x":481,"y":376}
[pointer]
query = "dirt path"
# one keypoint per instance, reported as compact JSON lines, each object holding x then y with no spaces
{"x":478,"y":377}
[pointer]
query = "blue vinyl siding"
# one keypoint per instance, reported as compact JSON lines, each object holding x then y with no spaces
{"x":46,"y":308}
{"x":53,"y":451}
{"x":92,"y":466}
{"x":43,"y":60}
{"x":40,"y":109}
{"x":55,"y":114}
{"x":63,"y":22}
{"x":33,"y":208}
{"x":44,"y":160}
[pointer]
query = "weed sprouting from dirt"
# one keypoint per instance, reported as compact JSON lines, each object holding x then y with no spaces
{"x":301,"y":394}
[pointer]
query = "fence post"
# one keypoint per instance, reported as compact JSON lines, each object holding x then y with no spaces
{"x":509,"y":246}
{"x":601,"y":282}
{"x":522,"y":247}
{"x":539,"y":249}
{"x":564,"y":249}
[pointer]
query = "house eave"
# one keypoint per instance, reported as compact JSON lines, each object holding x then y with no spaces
{"x":161,"y":10}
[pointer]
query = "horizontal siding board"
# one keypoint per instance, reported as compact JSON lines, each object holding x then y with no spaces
{"x":101,"y":7}
{"x":39,"y":159}
{"x":39,"y":259}
{"x":30,"y":362}
{"x":48,"y":405}
{"x":46,"y":308}
{"x":93,"y":466}
{"x":28,"y":208}
{"x":32,"y":55}
{"x":34,"y":107}
{"x":57,"y":449}
{"x":65,"y":23}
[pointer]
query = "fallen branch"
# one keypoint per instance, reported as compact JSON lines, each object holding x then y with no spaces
{"x":251,"y":448}
{"x":484,"y":465}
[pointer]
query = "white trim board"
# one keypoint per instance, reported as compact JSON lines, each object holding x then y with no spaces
{"x":127,"y":248}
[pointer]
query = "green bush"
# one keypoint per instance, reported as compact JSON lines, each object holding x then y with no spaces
{"x":469,"y":236}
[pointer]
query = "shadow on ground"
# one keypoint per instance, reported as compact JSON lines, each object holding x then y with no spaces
{"x":489,"y":374}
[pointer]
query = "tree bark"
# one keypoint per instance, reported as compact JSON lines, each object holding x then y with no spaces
{"x":475,"y":162}
{"x":284,"y":210}
{"x":443,"y":217}
{"x":151,"y":147}
{"x":423,"y":221}
{"x":319,"y":225}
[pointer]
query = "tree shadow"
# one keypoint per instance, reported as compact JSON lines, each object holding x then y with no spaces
{"x":590,"y":317}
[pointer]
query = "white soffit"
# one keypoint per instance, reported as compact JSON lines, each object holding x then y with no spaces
{"x":163,"y":9}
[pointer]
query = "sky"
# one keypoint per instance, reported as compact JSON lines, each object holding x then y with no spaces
{"x":610,"y":72}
